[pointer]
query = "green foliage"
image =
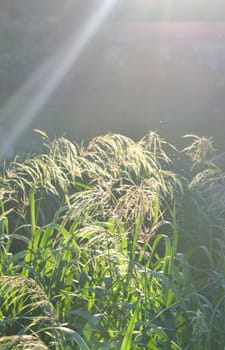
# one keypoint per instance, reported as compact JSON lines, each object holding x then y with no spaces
{"x":108,"y":247}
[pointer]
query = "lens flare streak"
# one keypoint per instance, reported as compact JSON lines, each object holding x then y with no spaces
{"x":30,"y":99}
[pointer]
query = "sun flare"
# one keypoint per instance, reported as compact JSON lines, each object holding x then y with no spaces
{"x":31,"y":98}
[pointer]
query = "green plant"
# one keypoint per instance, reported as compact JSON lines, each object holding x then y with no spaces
{"x":108,"y":247}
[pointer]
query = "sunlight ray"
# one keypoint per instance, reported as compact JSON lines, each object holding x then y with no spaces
{"x":29,"y":100}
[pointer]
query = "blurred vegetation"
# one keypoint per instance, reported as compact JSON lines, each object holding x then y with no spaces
{"x":31,"y":30}
{"x":27,"y":37}
{"x":94,"y":97}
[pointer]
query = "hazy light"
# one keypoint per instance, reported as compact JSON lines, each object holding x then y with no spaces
{"x":168,"y":10}
{"x":29,"y":100}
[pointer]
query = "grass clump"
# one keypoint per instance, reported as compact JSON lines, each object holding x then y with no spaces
{"x":23,"y":342}
{"x":110,"y":246}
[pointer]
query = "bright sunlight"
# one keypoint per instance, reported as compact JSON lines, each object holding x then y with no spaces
{"x":112,"y":175}
{"x":48,"y":77}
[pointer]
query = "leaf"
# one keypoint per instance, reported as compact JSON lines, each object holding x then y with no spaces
{"x":41,"y":133}
{"x":73,"y":335}
{"x":126,"y":344}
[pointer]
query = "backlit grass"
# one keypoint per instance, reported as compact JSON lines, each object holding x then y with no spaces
{"x":116,"y":245}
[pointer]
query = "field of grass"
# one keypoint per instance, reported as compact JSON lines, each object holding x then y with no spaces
{"x":116,"y":245}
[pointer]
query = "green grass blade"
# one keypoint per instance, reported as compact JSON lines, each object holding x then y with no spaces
{"x":72,"y":335}
{"x":32,"y":210}
{"x":126,"y":344}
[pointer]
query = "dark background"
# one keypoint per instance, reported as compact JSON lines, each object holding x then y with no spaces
{"x":153,"y":64}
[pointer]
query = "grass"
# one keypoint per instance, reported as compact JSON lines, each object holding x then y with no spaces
{"x":113,"y":246}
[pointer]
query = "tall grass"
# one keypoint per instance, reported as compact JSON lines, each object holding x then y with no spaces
{"x":109,"y":247}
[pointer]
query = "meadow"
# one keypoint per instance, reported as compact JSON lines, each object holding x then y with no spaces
{"x":118,"y":244}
